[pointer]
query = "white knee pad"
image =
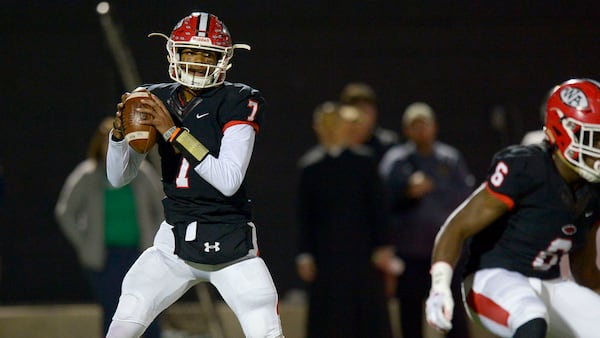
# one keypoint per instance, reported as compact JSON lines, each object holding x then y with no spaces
{"x":129,"y":309}
{"x":125,"y":330}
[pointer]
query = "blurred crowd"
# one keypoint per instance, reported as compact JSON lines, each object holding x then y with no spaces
{"x":370,"y":202}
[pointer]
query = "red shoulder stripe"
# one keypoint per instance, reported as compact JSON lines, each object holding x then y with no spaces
{"x":233,"y":123}
{"x":505,"y":199}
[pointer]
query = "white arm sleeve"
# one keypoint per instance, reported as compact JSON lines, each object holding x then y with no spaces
{"x":122,"y":162}
{"x":227,"y":172}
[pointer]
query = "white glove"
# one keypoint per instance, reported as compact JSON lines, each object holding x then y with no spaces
{"x":440,"y":305}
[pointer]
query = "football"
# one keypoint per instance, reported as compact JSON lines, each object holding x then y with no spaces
{"x":139,"y":136}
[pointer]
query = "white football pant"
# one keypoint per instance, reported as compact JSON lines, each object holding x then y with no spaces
{"x":503,"y":300}
{"x":158,"y":278}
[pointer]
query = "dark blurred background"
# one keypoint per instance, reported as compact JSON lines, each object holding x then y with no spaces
{"x":475,"y":62}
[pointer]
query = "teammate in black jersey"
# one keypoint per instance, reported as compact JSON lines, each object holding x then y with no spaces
{"x":537,"y":203}
{"x":208,"y":128}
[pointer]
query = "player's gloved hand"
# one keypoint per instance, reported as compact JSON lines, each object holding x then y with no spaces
{"x":118,"y":132}
{"x":439,"y":306}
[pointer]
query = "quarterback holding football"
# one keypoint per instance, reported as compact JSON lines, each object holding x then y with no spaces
{"x":206,"y":130}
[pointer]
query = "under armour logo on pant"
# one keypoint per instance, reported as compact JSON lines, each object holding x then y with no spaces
{"x":208,"y":247}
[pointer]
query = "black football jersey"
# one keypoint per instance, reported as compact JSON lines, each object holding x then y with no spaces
{"x":188,"y":196}
{"x":545,"y":220}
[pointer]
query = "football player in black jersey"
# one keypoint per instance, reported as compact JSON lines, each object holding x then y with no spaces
{"x":208,"y":128}
{"x":537,"y":203}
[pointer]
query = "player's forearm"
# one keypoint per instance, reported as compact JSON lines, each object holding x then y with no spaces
{"x":477,"y":212}
{"x":449,"y":241}
{"x":226,"y":173}
{"x":122,"y":163}
{"x":447,"y":249}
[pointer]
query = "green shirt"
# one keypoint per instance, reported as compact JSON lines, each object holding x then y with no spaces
{"x":120,"y":221}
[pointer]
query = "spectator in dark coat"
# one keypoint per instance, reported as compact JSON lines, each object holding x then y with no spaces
{"x":343,"y":248}
{"x":425,"y":181}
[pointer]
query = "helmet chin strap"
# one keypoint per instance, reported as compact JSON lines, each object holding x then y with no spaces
{"x":587,"y":175}
{"x":592,"y":175}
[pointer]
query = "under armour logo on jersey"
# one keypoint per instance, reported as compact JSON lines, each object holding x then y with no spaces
{"x":215,"y":246}
{"x":574,"y":97}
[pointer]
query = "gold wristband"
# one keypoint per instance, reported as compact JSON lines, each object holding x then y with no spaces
{"x":189,"y":144}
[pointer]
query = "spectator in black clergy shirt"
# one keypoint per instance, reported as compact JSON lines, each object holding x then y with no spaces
{"x":343,"y":249}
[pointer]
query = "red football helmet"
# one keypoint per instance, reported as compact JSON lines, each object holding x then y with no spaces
{"x":202,"y":31}
{"x":573,"y":125}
